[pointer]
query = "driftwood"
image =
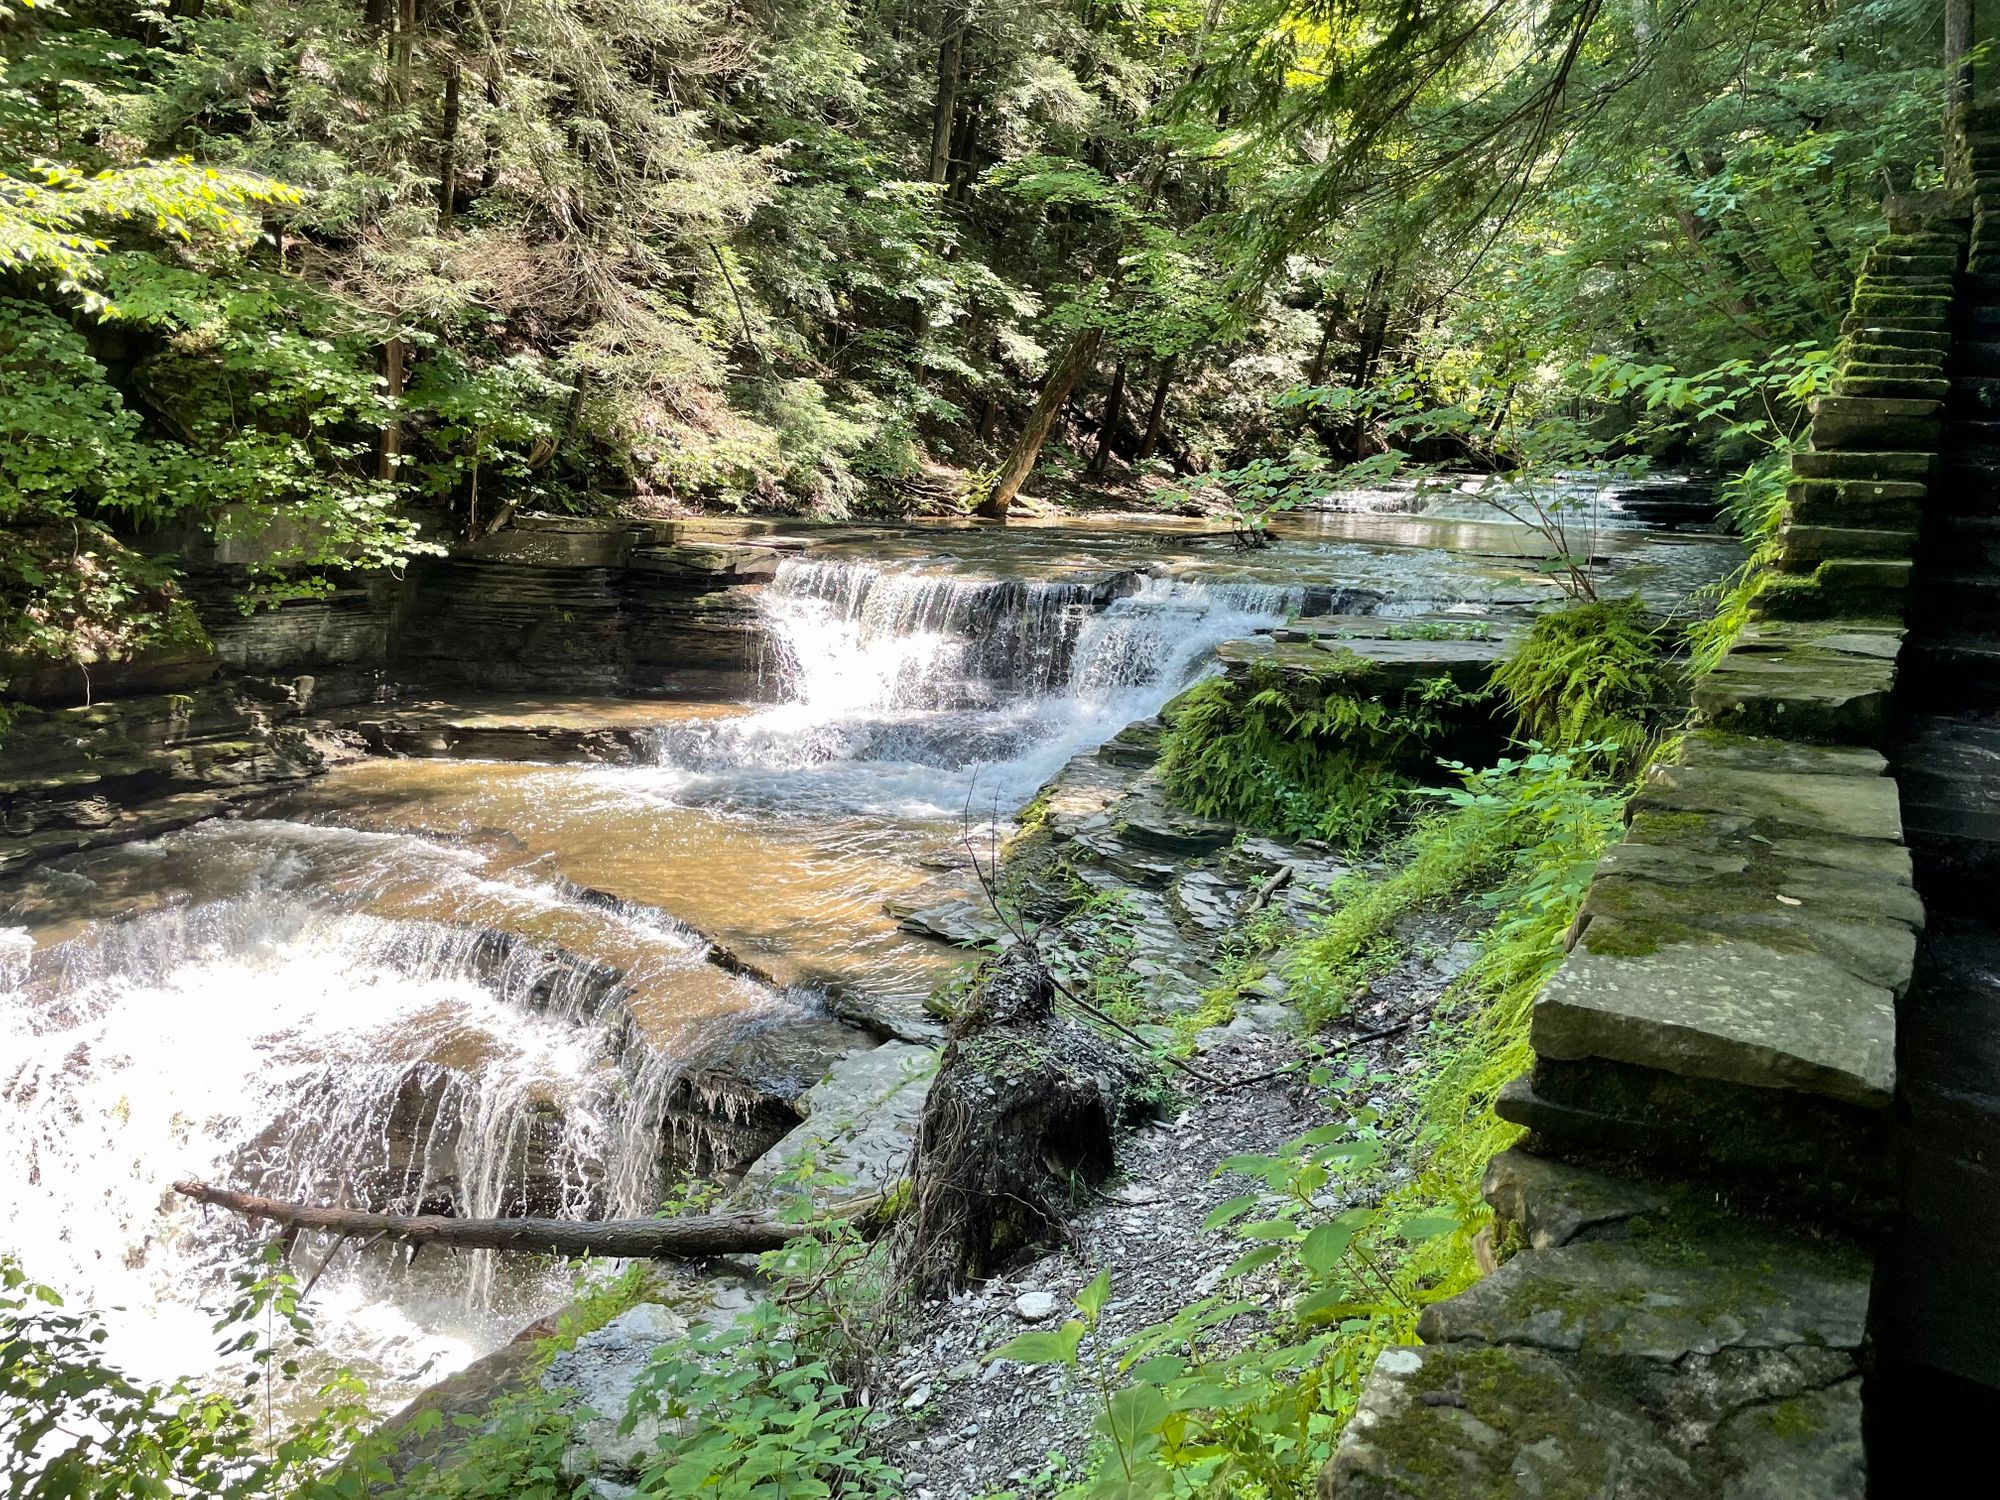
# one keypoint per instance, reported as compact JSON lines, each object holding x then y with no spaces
{"x":680,"y":1239}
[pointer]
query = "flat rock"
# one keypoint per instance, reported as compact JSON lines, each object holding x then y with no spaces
{"x":1728,"y":1010}
{"x":1846,"y":807}
{"x":859,"y":1122}
{"x":1554,"y":1203}
{"x":1664,"y":1298}
{"x":1468,"y":1424}
{"x":603,"y":1370}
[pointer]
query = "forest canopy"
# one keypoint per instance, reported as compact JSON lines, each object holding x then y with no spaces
{"x":358,"y":278}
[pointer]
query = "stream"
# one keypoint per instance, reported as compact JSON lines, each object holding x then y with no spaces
{"x":481,"y":988}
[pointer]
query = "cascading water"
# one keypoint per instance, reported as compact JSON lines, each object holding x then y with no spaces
{"x":292,"y":1039}
{"x":914,"y":693}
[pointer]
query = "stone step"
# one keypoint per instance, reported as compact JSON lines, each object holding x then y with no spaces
{"x":1965,"y":488}
{"x":1863,"y":340}
{"x":1856,"y":502}
{"x":1970,"y":595}
{"x":1908,"y":385}
{"x":1972,"y":395}
{"x":1964,"y":434}
{"x":1875,"y":422}
{"x":1975,"y":356}
{"x":1962,"y":541}
{"x":1893,"y":465}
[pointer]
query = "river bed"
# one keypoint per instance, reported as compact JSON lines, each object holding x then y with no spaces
{"x":480,"y":988}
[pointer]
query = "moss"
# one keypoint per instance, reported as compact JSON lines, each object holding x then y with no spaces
{"x":1666,"y":827}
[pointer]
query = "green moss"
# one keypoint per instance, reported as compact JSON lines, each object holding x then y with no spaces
{"x":1666,"y":827}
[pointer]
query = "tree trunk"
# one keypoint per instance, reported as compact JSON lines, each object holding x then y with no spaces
{"x":448,"y":142}
{"x":944,"y":106}
{"x":1114,"y":409}
{"x":402,"y":47}
{"x":989,"y":419}
{"x":689,"y":1238}
{"x":391,"y":448}
{"x":1156,"y":417}
{"x":1062,"y":379}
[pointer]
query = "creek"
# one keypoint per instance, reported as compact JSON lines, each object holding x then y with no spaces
{"x":480,"y":987}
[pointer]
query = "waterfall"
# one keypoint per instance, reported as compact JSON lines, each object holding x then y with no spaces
{"x":910,"y":692}
{"x":289,"y":1041}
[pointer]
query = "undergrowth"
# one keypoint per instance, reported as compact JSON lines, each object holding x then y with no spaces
{"x":1588,"y":674}
{"x":1281,"y":758}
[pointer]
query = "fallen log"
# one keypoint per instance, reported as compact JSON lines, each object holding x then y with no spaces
{"x":652,"y":1239}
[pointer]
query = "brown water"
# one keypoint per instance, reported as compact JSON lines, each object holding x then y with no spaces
{"x":412,"y":982}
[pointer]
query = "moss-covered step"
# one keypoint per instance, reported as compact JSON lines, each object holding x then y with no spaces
{"x":1875,"y":422}
{"x":1887,"y":464}
{"x":1802,"y":548}
{"x":1719,"y":942}
{"x":1892,"y":386}
{"x":1720,"y":1009}
{"x":1891,"y":504}
{"x":1825,"y":682}
{"x":1872,"y":588}
{"x":1687,"y":1360}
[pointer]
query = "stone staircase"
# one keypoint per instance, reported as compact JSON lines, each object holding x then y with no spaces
{"x":1738,"y":1050}
{"x":1938,"y":1297}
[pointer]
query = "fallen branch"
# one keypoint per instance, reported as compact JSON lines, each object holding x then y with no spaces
{"x":690,"y":1238}
{"x":1297,"y":1063}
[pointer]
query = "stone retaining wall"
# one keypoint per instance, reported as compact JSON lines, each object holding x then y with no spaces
{"x":1707,"y":1162}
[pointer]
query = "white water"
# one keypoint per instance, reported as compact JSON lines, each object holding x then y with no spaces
{"x":280,"y":1039}
{"x":914,"y":694}
{"x":311,"y":1012}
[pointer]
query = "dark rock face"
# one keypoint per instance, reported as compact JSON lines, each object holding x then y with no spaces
{"x":77,"y":778}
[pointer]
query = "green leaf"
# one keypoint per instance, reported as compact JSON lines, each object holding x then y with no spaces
{"x":1057,"y":1348}
{"x":1325,"y":1246}
{"x":1270,"y":1229}
{"x":1235,"y":1208}
{"x":1090,"y":1301}
{"x":1253,"y":1260}
{"x":1420,"y":1227}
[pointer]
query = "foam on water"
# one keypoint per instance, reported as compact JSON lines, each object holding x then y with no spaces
{"x":910,"y":694}
{"x":274,"y":1036}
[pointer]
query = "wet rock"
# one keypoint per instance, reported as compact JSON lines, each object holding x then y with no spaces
{"x":860,"y":1120}
{"x":964,"y":924}
{"x":79,"y":778}
{"x":1183,"y":836}
{"x":603,"y":1371}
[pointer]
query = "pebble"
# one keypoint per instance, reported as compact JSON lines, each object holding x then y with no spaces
{"x":916,"y":1398}
{"x":1034,"y":1307}
{"x":1134,"y":1194}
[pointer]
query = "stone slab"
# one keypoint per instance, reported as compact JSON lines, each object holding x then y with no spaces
{"x":1481,"y":1424}
{"x":1848,"y":807}
{"x":1729,"y":1010}
{"x":860,"y":1120}
{"x":1553,"y":1203}
{"x":1667,"y":1297}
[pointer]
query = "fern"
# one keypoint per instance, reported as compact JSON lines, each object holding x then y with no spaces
{"x":1587,"y":674}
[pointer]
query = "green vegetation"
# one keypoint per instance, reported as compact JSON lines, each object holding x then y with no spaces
{"x":1589,"y":674}
{"x":298,"y":276}
{"x":1323,"y":759}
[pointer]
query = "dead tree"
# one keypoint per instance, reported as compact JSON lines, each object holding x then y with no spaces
{"x":691,"y":1238}
{"x":1022,"y":1115}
